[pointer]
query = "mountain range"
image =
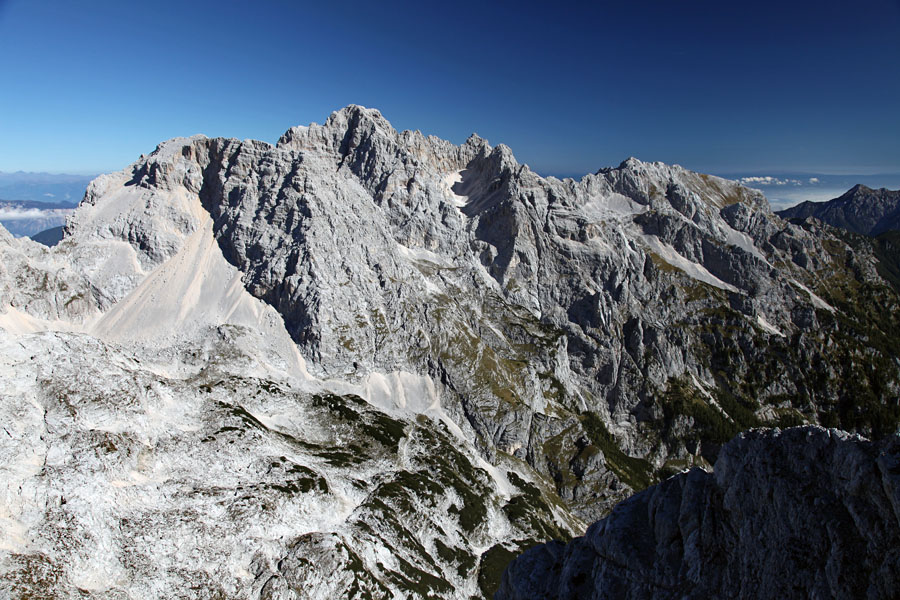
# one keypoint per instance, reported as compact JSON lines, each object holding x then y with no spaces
{"x":367,"y":363}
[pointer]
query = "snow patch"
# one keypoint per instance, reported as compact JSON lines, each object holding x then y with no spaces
{"x":712,"y":401}
{"x":611,"y":207}
{"x":743,"y":241}
{"x":702,"y":389}
{"x":692,"y":269}
{"x":504,"y":488}
{"x":816,"y":301}
{"x":761,"y":321}
{"x":422,"y":255}
{"x":447,"y":183}
{"x":401,"y":393}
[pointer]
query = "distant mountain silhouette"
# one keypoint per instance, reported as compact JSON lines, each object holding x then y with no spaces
{"x":49,"y":237}
{"x":860,"y":210}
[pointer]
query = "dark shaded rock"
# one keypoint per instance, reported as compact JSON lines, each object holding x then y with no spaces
{"x":799,"y":513}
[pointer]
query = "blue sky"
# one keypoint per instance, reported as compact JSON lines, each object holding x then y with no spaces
{"x":715,"y":86}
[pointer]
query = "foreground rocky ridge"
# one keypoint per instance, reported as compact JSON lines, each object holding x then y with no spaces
{"x":800,"y":513}
{"x":123,"y":482}
{"x":379,"y":355}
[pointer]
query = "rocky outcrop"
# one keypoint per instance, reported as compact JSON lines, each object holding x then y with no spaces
{"x":860,"y":210}
{"x":801,"y":513}
{"x":36,"y":286}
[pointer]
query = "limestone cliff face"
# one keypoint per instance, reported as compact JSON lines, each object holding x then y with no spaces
{"x":361,"y":343}
{"x":800,"y":513}
{"x":532,"y":302}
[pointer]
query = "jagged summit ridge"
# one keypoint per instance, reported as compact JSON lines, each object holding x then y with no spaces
{"x":448,"y":355}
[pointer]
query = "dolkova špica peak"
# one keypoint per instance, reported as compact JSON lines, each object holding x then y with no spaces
{"x":364,"y":363}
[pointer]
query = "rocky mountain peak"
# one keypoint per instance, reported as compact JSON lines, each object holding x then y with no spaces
{"x":860,"y":209}
{"x":476,"y":140}
{"x":860,"y":188}
{"x":410,"y":357}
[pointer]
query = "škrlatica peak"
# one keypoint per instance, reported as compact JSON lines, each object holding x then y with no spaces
{"x":364,"y":363}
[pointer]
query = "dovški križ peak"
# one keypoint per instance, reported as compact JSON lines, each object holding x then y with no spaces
{"x":370,"y":363}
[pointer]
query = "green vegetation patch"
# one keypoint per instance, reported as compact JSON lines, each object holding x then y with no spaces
{"x":352,"y":454}
{"x":491,"y":567}
{"x":386,"y":430}
{"x":297,"y":479}
{"x":788,"y":418}
{"x":463,"y":561}
{"x":405,"y":485}
{"x":887,"y":251}
{"x":741,"y":409}
{"x":531,"y":513}
{"x":492,"y":350}
{"x":680,"y":399}
{"x":420,"y":583}
{"x":865,"y":330}
{"x":635,"y":472}
{"x":369,"y":426}
{"x":339,"y":405}
{"x":450,"y":468}
{"x":662,"y":264}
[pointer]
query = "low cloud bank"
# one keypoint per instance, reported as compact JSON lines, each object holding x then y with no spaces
{"x":18,"y":214}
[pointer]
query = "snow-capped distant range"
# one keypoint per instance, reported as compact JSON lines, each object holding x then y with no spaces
{"x":788,"y":189}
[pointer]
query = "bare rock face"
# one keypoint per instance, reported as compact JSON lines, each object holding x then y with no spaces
{"x":801,"y":513}
{"x":383,"y":364}
{"x":533,"y":301}
{"x":35,"y":285}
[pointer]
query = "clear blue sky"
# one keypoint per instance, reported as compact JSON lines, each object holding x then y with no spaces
{"x":715,"y":86}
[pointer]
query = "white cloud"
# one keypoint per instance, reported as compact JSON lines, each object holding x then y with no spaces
{"x":18,"y":214}
{"x":813,"y":180}
{"x":49,"y":195}
{"x":768,"y":180}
